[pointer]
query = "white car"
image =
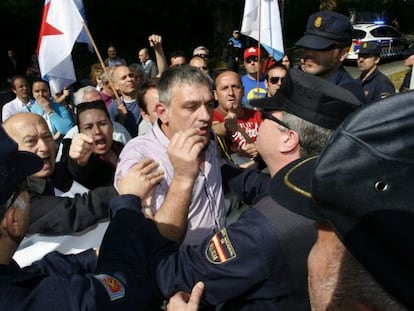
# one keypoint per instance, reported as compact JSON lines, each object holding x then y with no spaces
{"x":392,"y":41}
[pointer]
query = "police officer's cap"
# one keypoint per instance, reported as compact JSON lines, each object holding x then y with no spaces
{"x":15,"y":166}
{"x":325,"y":29}
{"x":362,"y":186}
{"x":311,"y":98}
{"x":370,"y":49}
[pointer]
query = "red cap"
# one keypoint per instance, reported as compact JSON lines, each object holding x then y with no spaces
{"x":252,"y":51}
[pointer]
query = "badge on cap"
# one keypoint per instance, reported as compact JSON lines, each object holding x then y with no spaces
{"x":317,"y":22}
{"x":113,"y":286}
{"x":364,"y":45}
{"x":220,"y":249}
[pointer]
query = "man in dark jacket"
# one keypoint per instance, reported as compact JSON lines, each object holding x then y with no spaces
{"x":114,"y":281}
{"x":51,"y":214}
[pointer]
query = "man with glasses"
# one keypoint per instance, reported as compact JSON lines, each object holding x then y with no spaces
{"x":274,"y":78}
{"x":259,"y":262}
{"x":201,"y":51}
{"x":253,"y":80}
{"x":325,"y":44}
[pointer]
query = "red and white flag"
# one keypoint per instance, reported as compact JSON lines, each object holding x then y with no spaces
{"x":60,"y":27}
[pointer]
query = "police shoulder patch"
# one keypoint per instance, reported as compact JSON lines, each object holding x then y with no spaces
{"x":220,"y":249}
{"x":114,"y":287}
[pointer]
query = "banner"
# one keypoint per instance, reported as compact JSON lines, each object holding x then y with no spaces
{"x":264,"y":18}
{"x":60,"y":28}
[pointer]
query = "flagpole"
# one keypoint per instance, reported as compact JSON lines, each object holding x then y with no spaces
{"x":258,"y":47}
{"x":105,"y":69}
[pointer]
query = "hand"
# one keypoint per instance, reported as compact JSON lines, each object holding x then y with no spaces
{"x":184,"y":153}
{"x":122,"y":109}
{"x":250,"y":150}
{"x":140,"y":179}
{"x":44,"y":103}
{"x":184,"y":302}
{"x":81,"y":148}
{"x":230,"y":122}
{"x":155,"y":41}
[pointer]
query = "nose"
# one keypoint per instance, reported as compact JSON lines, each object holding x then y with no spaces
{"x":42,"y":146}
{"x":205,"y":113}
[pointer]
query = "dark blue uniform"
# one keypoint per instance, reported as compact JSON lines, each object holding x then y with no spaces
{"x":114,"y":281}
{"x":257,"y":263}
{"x":376,"y":86}
{"x":342,"y":78}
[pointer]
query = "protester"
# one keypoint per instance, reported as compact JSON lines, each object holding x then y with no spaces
{"x":376,"y":85}
{"x":184,"y":112}
{"x":200,"y":63}
{"x":58,"y":117}
{"x":238,"y":126}
{"x":274,"y":78}
{"x":51,"y":214}
{"x":253,"y":80}
{"x":125,"y":111}
{"x":116,"y":280}
{"x":178,"y":58}
{"x":148,"y":65}
{"x":326,"y":43}
{"x":90,"y":157}
{"x":113,"y":58}
{"x":148,"y":99}
{"x":359,"y":192}
{"x":20,"y":87}
{"x":201,"y":51}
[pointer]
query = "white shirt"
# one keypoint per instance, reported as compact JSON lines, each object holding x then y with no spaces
{"x":14,"y":106}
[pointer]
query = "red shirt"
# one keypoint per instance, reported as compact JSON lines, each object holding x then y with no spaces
{"x":249,"y":122}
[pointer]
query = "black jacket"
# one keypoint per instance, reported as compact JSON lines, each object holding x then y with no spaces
{"x":62,"y":215}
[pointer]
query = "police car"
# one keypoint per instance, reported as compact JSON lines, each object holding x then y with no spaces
{"x":392,"y":41}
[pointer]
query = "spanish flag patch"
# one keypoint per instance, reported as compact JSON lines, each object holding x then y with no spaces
{"x":220,"y":249}
{"x":113,"y":286}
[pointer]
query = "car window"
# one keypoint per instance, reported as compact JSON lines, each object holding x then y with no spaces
{"x":385,"y":31}
{"x":358,"y":34}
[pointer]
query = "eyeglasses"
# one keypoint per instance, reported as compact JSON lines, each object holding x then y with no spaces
{"x":269,"y":116}
{"x":275,"y":80}
{"x":252,"y":59}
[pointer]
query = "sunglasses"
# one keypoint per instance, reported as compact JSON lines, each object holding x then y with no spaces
{"x":252,"y":59}
{"x":275,"y":80}
{"x":269,"y":116}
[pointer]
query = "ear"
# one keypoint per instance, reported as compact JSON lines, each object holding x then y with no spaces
{"x":266,"y":84}
{"x":12,"y":222}
{"x":215,"y":95}
{"x":344,"y":53}
{"x":377,"y":60}
{"x":161,"y":110}
{"x":290,"y":142}
{"x":144,"y":115}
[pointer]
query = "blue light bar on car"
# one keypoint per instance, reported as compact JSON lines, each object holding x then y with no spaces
{"x":379,"y":22}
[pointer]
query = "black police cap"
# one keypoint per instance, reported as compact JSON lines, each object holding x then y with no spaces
{"x":311,"y":98}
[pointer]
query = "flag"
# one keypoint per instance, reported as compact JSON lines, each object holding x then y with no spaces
{"x":60,"y":27}
{"x":83,"y":36}
{"x":270,"y":26}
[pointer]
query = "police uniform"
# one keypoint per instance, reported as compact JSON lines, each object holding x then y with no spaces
{"x":257,"y":263}
{"x":405,"y":86}
{"x":114,"y":281}
{"x":324,"y":30}
{"x":376,"y":85}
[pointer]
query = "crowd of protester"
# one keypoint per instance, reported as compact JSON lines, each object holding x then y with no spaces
{"x":268,"y":190}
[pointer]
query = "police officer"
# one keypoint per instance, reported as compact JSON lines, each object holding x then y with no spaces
{"x":409,"y":61}
{"x":376,"y":85}
{"x":259,"y":262}
{"x":234,"y":51}
{"x":326,"y":43}
{"x":114,"y":281}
